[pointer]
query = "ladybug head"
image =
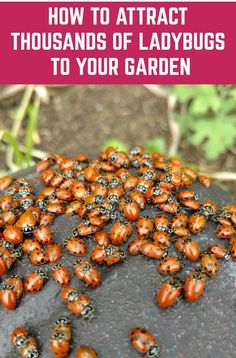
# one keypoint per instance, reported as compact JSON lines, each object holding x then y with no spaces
{"x":153,"y":352}
{"x":72,"y":296}
{"x":88,"y":312}
{"x":122,"y":254}
{"x":62,"y":320}
{"x":21,"y":341}
{"x":33,"y":354}
{"x":28,"y":230}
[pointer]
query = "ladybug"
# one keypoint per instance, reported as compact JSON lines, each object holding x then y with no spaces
{"x":38,"y":257}
{"x":169,"y":292}
{"x":219,"y":251}
{"x":153,"y":250}
{"x":180,"y":220}
{"x":194,"y":285}
{"x":204,"y":180}
{"x":120,"y":231}
{"x":170,"y":265}
{"x":102,"y":238}
{"x":54,"y":253}
{"x":17,"y":283}
{"x":189,"y":248}
{"x":189,"y":199}
{"x":87,"y":273}
{"x":144,"y":342}
{"x":75,"y":246}
{"x":144,"y":226}
{"x":43,"y":165}
{"x":171,"y":206}
{"x":85,"y":352}
{"x":85,"y":228}
{"x":61,"y":336}
{"x":25,"y":343}
{"x":197,"y":223}
{"x":208,"y":208}
{"x":108,"y":255}
{"x":44,"y":235}
{"x":5,"y":182}
{"x":161,"y":238}
{"x":73,"y":208}
{"x":78,"y":304}
{"x":30,"y":244}
{"x":139,"y":198}
{"x":225,"y":231}
{"x":133,"y":247}
{"x":13,"y":235}
{"x":9,"y":217}
{"x":35,"y":281}
{"x":209,"y":264}
{"x":161,"y":222}
{"x":91,"y":174}
{"x":27,"y":223}
{"x":130,"y":183}
{"x":233,"y":248}
{"x":55,"y":208}
{"x":131,"y":210}
{"x":61,"y":275}
{"x":8,"y":297}
{"x":8,"y":203}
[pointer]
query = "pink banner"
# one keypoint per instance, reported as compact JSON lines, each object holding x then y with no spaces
{"x":115,"y":42}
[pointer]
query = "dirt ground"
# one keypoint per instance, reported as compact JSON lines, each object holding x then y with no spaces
{"x":82,"y":118}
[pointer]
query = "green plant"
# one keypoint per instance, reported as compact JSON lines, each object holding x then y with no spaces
{"x":19,"y":156}
{"x":116,"y":143}
{"x":156,"y":144}
{"x":207,"y":116}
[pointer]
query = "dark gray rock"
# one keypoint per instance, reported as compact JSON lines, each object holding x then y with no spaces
{"x":204,"y":329}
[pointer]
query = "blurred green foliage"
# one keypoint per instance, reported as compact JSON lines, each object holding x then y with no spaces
{"x":207,"y":116}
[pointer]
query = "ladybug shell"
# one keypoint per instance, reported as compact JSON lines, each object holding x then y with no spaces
{"x":87,"y":229}
{"x":233,"y":251}
{"x":142,"y":339}
{"x":8,"y":298}
{"x":170,"y":265}
{"x":76,"y":246}
{"x":55,"y":208}
{"x":210,"y":264}
{"x":190,"y":203}
{"x":225,"y":231}
{"x":77,"y":306}
{"x":54,"y":253}
{"x":44,"y":235}
{"x":30,"y":347}
{"x":197,"y":223}
{"x":144,"y":226}
{"x":5,"y":182}
{"x":120,"y":232}
{"x":8,"y":257}
{"x":73,"y":208}
{"x":152,"y":250}
{"x":34,"y":282}
{"x":130,"y":183}
{"x":179,"y":220}
{"x":17,"y":283}
{"x":64,"y":194}
{"x":26,"y":220}
{"x":98,"y":255}
{"x":194,"y":286}
{"x":189,"y":248}
{"x":139,"y":198}
{"x":85,"y":352}
{"x":181,"y":231}
{"x":13,"y":235}
{"x":29,"y":245}
{"x":18,"y":332}
{"x":8,"y":203}
{"x":9,"y":218}
{"x":60,"y":347}
{"x":102,"y":238}
{"x":3,"y":267}
{"x":161,"y":222}
{"x":61,"y":275}
{"x":169,"y":292}
{"x":219,"y":251}
{"x":168,"y":207}
{"x":87,"y":273}
{"x":133,"y":247}
{"x":46,"y":219}
{"x":131,"y":211}
{"x":161,"y":238}
{"x":204,"y":180}
{"x":38,"y":257}
{"x":43,"y":165}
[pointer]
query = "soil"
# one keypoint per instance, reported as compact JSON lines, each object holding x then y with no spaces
{"x":82,"y":118}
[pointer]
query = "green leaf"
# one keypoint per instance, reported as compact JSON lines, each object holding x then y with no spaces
{"x":12,"y":141}
{"x":183,"y":92}
{"x":157,"y":144}
{"x":116,"y":143}
{"x":32,"y":112}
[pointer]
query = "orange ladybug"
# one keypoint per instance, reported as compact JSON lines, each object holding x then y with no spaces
{"x":120,"y":231}
{"x":161,"y":222}
{"x":44,"y":235}
{"x":108,"y":255}
{"x":189,"y":248}
{"x":35,"y":281}
{"x":8,"y":297}
{"x":194,"y":285}
{"x":133,"y":247}
{"x":61,"y":275}
{"x":197,"y":223}
{"x":17,"y":283}
{"x":170,"y":265}
{"x":87,"y":273}
{"x":5,"y":182}
{"x":61,"y":336}
{"x":153,"y":250}
{"x":85,"y":352}
{"x":209,"y":264}
{"x":24,"y":343}
{"x":144,"y":226}
{"x":78,"y":304}
{"x":161,"y":238}
{"x":219,"y":251}
{"x":54,"y":253}
{"x":225,"y":231}
{"x":38,"y":257}
{"x":13,"y":235}
{"x":30,"y":244}
{"x":144,"y":342}
{"x":75,"y":246}
{"x":102,"y":238}
{"x":169,"y":292}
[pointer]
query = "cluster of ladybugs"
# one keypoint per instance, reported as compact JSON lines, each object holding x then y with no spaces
{"x":108,"y":195}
